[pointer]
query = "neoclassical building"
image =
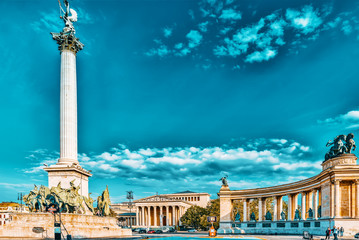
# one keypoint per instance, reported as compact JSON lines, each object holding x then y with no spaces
{"x":328,"y":199}
{"x":161,"y":210}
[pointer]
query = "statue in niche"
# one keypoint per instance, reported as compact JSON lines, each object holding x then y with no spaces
{"x":282,"y":216}
{"x":310,"y":213}
{"x":341,"y":144}
{"x":253,"y":216}
{"x":319,"y":211}
{"x":224,"y":181}
{"x":296,"y":215}
{"x":268,"y":216}
{"x":237,"y":217}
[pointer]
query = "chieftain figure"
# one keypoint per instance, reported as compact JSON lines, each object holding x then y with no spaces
{"x":282,"y":216}
{"x":296,"y":215}
{"x":340,"y":145}
{"x":237,"y":217}
{"x":310,"y":213}
{"x":253,"y":216}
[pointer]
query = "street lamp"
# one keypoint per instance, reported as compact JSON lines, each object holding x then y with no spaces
{"x":130,"y":204}
{"x":19,"y":198}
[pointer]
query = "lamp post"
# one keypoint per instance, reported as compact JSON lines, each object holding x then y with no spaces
{"x":130,"y":205}
{"x":19,"y":198}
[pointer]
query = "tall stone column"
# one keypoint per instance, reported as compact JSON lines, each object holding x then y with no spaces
{"x":260,"y":209}
{"x":290,"y":208}
{"x":357,"y":197}
{"x":245,"y":208}
{"x":67,"y":170}
{"x":315,"y":203}
{"x":143,"y":216}
{"x":337,"y":204}
{"x":174,"y":215}
{"x":304,"y":215}
{"x":275,"y":209}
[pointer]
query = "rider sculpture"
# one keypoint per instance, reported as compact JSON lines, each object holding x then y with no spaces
{"x":340,"y":145}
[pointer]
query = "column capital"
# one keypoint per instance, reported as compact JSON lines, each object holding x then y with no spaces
{"x":356,"y":181}
{"x":67,"y":41}
{"x":337,"y":181}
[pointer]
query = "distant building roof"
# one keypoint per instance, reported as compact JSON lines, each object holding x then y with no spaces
{"x":126,"y":214}
{"x":188,"y":191}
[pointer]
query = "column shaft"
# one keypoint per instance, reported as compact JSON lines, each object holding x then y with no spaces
{"x":245,"y":210}
{"x":280,"y":206}
{"x":337,"y":198}
{"x":304,"y":207}
{"x":315,"y":204}
{"x":161,"y":216}
{"x":68,"y":109}
{"x":290,"y":203}
{"x":137,"y":216}
{"x":260,"y":209}
{"x":275,"y":209}
{"x":155,"y":216}
{"x":167,"y":217}
{"x":357,"y":197}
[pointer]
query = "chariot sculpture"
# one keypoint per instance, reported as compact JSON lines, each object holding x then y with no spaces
{"x":340,"y":145}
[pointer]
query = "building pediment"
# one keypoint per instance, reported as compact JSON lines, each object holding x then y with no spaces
{"x":157,"y":198}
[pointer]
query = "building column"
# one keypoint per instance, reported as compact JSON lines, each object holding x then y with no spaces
{"x":356,"y":198}
{"x":173,"y":216}
{"x":245,"y":210}
{"x":143,"y":216}
{"x":260,"y":209}
{"x":149,"y":216}
{"x":315,"y":204}
{"x":161,"y":216}
{"x":275,"y":209}
{"x":155,"y":216}
{"x":304,"y":207}
{"x":280,"y":206}
{"x":167,"y":221}
{"x":137,"y":216}
{"x":180,"y":215}
{"x":290,"y":207}
{"x":337,"y":198}
{"x":310,"y":200}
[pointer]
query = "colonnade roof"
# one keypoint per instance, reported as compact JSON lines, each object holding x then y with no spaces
{"x":160,"y":198}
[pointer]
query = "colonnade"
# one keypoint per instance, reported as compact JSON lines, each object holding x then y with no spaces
{"x":129,"y":221}
{"x":158,"y":216}
{"x":309,"y":200}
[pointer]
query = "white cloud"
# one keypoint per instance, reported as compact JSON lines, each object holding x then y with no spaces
{"x":349,"y":120}
{"x":230,"y":14}
{"x":194,"y":37}
{"x":203,"y":26}
{"x":259,"y":56}
{"x":167,"y":32}
{"x":306,"y":20}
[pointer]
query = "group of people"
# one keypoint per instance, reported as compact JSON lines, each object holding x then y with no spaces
{"x":335,"y":231}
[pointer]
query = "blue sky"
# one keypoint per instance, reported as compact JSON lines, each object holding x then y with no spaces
{"x":173,"y":95}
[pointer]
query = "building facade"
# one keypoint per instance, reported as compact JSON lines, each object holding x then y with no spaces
{"x":160,"y":210}
{"x":328,"y":199}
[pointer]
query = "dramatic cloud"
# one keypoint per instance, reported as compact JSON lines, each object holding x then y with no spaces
{"x":284,"y":30}
{"x":254,"y":159}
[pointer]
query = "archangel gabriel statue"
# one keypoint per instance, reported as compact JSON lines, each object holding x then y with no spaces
{"x":68,"y":19}
{"x":341,"y":144}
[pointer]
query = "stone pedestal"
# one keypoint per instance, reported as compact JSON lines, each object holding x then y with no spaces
{"x":66,"y":174}
{"x":225,"y":222}
{"x":344,"y":159}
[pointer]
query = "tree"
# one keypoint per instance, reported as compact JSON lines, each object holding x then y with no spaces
{"x":212,"y":211}
{"x":193,"y":217}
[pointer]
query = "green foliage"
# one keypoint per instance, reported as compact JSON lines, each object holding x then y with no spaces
{"x":193,"y":217}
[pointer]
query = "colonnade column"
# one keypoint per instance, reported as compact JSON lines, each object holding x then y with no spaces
{"x":260,"y":209}
{"x":289,"y":218}
{"x":357,"y":198}
{"x":280,"y":206}
{"x":155,"y":216}
{"x":275,"y":209}
{"x":167,"y":216}
{"x":304,"y":208}
{"x":173,"y":216}
{"x":315,"y":204}
{"x":137,"y":216}
{"x":161,"y":216}
{"x":143,"y":216}
{"x":149,"y":216}
{"x":337,"y":198}
{"x":245,"y":210}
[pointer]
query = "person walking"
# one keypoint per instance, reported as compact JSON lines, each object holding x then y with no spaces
{"x":335,"y":233}
{"x":341,"y":230}
{"x":327,"y":234}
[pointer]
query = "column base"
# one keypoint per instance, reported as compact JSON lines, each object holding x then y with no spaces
{"x":66,"y":174}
